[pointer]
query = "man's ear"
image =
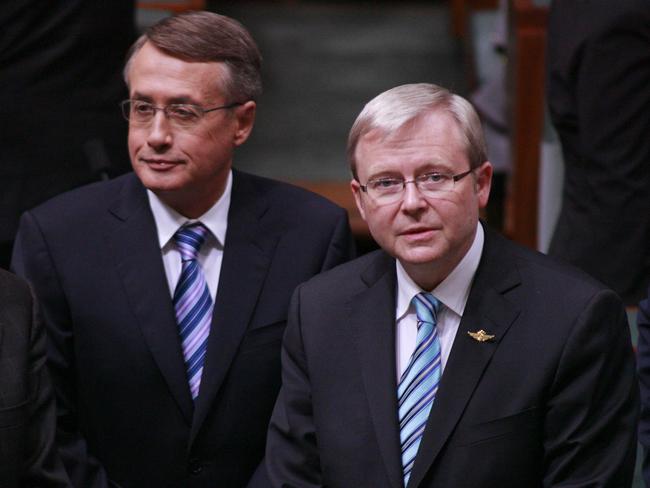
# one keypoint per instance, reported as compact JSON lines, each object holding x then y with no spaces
{"x":355,"y":186}
{"x":245,"y":117}
{"x":483,"y":183}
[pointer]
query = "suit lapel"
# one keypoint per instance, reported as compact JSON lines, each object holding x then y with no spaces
{"x":486,"y":309}
{"x":133,"y":244}
{"x":247,"y":256}
{"x":373,"y":314}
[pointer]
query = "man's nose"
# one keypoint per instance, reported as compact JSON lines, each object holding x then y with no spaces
{"x":160,"y":132}
{"x":412,"y":198}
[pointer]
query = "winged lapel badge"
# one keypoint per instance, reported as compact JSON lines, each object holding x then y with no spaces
{"x":480,"y":336}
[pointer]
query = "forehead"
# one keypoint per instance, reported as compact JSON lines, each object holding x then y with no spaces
{"x":432,"y":141}
{"x":157,"y":75}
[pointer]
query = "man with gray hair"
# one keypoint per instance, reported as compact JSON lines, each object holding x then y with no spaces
{"x":451,"y":357}
{"x":165,"y":292}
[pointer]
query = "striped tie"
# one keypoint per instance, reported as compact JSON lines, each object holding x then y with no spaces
{"x":419,"y":383}
{"x":193,"y":303}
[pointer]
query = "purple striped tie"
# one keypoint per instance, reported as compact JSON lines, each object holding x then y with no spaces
{"x":193,"y":303}
{"x":419,"y":383}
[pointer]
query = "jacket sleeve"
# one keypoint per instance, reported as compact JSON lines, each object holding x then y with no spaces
{"x":592,"y":405}
{"x":292,"y":458}
{"x":341,"y":246}
{"x":44,"y":467}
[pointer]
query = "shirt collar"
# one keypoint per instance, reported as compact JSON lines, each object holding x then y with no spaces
{"x":453,"y":291}
{"x":168,"y":220}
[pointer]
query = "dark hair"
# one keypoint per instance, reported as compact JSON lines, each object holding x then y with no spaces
{"x":209,"y":37}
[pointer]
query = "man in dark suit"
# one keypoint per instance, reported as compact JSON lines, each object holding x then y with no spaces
{"x":598,"y":68}
{"x":28,"y":456}
{"x":166,"y":292}
{"x":451,"y":357}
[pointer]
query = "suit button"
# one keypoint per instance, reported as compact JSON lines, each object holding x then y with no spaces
{"x":195,"y":466}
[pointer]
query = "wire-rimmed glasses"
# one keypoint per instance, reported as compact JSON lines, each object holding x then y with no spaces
{"x":182,"y":115}
{"x":387,"y":190}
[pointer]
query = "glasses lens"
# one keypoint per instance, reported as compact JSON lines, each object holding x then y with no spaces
{"x":434,"y":182}
{"x":385,"y":190}
{"x":184,"y":115}
{"x":138,"y":112}
{"x":141,"y":111}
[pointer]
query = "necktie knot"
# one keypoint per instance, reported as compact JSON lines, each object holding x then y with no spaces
{"x":426,"y":308}
{"x":189,"y":240}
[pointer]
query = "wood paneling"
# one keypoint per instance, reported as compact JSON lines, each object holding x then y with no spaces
{"x":526,"y":52}
{"x":174,"y":6}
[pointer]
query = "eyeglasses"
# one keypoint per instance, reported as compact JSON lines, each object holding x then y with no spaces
{"x":390,"y":190}
{"x":182,"y":115}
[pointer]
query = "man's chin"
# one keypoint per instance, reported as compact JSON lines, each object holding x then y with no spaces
{"x":159,"y":182}
{"x":418,"y":255}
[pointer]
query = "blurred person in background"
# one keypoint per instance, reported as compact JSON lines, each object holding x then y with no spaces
{"x":643,"y":353}
{"x":598,"y":69}
{"x":28,"y":455}
{"x":61,"y":82}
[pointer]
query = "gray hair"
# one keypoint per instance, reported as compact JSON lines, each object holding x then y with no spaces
{"x":209,"y":37}
{"x":394,"y":108}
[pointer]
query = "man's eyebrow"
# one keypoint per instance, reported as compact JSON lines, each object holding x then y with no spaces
{"x":437,"y":166}
{"x":431,"y":166}
{"x":386,"y":174}
{"x":140,"y":96}
{"x":182,"y":99}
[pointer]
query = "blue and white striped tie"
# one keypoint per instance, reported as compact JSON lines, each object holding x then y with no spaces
{"x":193,"y":303}
{"x":419,"y":383}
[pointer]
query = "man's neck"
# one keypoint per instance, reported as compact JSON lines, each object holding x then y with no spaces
{"x":429,"y":275}
{"x":191,"y":205}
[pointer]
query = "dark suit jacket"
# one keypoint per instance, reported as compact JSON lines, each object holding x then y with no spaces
{"x":125,"y":411}
{"x":597,"y":90}
{"x":28,"y":456}
{"x":551,"y":401}
{"x":643,"y":354}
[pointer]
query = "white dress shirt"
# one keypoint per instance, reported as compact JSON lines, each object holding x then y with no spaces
{"x":210,"y":256}
{"x":452,"y":293}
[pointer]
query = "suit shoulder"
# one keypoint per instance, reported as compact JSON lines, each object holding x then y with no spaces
{"x":287,"y":197}
{"x":347,"y":279}
{"x":86,"y":199}
{"x":550,"y":275}
{"x":81,"y":209}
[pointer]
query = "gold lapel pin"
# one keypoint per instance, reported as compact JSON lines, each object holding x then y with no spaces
{"x":480,"y":336}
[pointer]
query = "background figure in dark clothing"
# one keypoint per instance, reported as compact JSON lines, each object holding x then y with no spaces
{"x":28,"y":456}
{"x":599,"y":98}
{"x":60,"y":87}
{"x":643,"y":361}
